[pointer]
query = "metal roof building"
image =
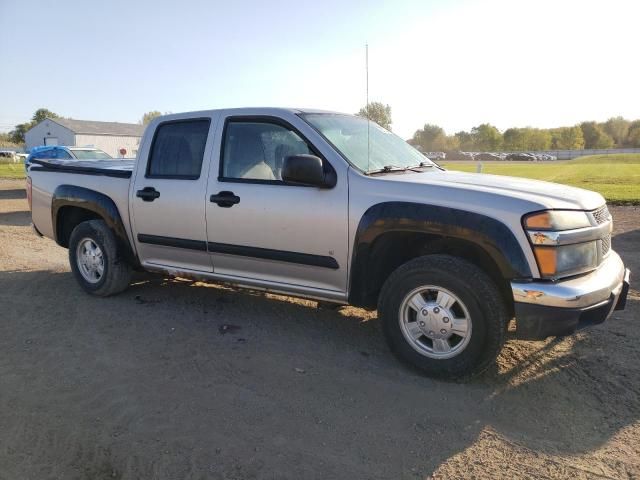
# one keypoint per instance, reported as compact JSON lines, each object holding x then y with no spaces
{"x":107,"y":136}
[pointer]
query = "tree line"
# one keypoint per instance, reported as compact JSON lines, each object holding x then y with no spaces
{"x":617,"y":132}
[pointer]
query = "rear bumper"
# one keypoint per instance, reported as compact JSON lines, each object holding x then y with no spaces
{"x":545,"y":309}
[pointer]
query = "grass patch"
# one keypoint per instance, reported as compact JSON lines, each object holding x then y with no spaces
{"x":12,"y":170}
{"x":615,"y":177}
{"x":625,"y":158}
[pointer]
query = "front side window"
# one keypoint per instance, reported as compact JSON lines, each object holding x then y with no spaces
{"x":367,"y":147}
{"x":177,"y":150}
{"x":256,"y":150}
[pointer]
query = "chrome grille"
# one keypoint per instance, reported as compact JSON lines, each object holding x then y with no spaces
{"x":601,"y":215}
{"x":605,"y":245}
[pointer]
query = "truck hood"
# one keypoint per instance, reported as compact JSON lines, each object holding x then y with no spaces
{"x":543,"y":194}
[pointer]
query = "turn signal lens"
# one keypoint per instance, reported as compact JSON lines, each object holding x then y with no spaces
{"x":547,"y":258}
{"x":557,"y":220}
{"x":539,"y":220}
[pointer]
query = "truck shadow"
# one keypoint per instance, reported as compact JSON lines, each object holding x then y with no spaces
{"x":300,"y":366}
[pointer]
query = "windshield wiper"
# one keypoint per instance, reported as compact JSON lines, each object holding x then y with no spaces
{"x":395,"y":168}
{"x":387,"y":169}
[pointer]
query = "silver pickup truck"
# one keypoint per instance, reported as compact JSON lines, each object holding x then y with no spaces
{"x":331,"y":207}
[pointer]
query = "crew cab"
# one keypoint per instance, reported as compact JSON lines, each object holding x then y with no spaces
{"x":332,"y":207}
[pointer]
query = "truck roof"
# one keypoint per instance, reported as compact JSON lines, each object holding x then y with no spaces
{"x":251,"y":111}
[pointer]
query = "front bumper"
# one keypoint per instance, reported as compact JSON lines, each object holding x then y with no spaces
{"x":544,"y":309}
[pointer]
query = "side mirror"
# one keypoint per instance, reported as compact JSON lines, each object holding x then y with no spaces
{"x":307,"y":170}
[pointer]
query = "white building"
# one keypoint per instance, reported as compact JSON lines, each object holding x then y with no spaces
{"x":110,"y":137}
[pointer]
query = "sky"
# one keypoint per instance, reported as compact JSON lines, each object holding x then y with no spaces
{"x":458,"y":63}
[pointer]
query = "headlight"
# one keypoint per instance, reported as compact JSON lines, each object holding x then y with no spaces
{"x":563,"y":242}
{"x":566,"y":259}
{"x":556,"y":220}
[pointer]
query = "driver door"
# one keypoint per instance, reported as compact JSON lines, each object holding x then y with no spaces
{"x":261,"y":228}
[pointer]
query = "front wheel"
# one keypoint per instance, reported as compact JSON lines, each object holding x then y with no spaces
{"x":443,"y":315}
{"x":95,"y":260}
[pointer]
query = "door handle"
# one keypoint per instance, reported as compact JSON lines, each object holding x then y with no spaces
{"x":225,"y":199}
{"x":148,"y":194}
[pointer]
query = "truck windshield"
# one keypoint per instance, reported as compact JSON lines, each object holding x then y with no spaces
{"x":91,"y":154}
{"x":371,"y":149}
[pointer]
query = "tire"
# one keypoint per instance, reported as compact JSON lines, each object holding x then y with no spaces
{"x":107,"y":273}
{"x":471,"y":320}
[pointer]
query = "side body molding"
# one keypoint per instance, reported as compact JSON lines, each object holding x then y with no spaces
{"x":490,"y":235}
{"x":96,"y":202}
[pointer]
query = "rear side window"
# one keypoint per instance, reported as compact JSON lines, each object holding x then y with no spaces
{"x":178,"y":149}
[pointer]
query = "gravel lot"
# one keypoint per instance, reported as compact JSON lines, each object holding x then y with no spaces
{"x":151,"y":384}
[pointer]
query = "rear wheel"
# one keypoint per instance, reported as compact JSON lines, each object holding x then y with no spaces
{"x":443,"y":315}
{"x":95,"y":260}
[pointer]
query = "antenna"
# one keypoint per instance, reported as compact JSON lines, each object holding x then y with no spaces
{"x":366,"y":67}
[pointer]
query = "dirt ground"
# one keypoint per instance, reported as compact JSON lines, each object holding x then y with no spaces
{"x":150,"y":384}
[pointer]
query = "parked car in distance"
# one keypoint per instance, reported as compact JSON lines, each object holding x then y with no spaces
{"x":487,"y":157}
{"x":8,"y":156}
{"x":521,"y":157}
{"x":330,"y":207}
{"x":65,"y":153}
{"x":435,"y":155}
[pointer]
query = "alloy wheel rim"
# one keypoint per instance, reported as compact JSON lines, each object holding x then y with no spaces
{"x":435,"y":322}
{"x":90,"y":260}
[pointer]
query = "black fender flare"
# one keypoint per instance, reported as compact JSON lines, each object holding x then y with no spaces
{"x":487,"y":233}
{"x":99,"y":203}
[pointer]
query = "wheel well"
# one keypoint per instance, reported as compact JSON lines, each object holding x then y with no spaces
{"x":69,"y":218}
{"x":393,"y":249}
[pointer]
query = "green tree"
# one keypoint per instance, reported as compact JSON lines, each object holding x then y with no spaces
{"x":450,"y":142}
{"x":17,"y":134}
{"x":486,"y":138}
{"x":147,"y":117}
{"x":514,"y":140}
{"x":595,"y":136}
{"x":6,"y":141}
{"x":432,"y":138}
{"x":618,"y":129}
{"x":568,"y":138}
{"x":520,"y":139}
{"x":633,"y":137}
{"x":538,"y":139}
{"x":378,"y":112}
{"x":465,"y":140}
{"x":426,"y":137}
{"x":41,"y":114}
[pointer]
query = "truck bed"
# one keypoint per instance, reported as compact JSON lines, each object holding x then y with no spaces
{"x":110,"y":168}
